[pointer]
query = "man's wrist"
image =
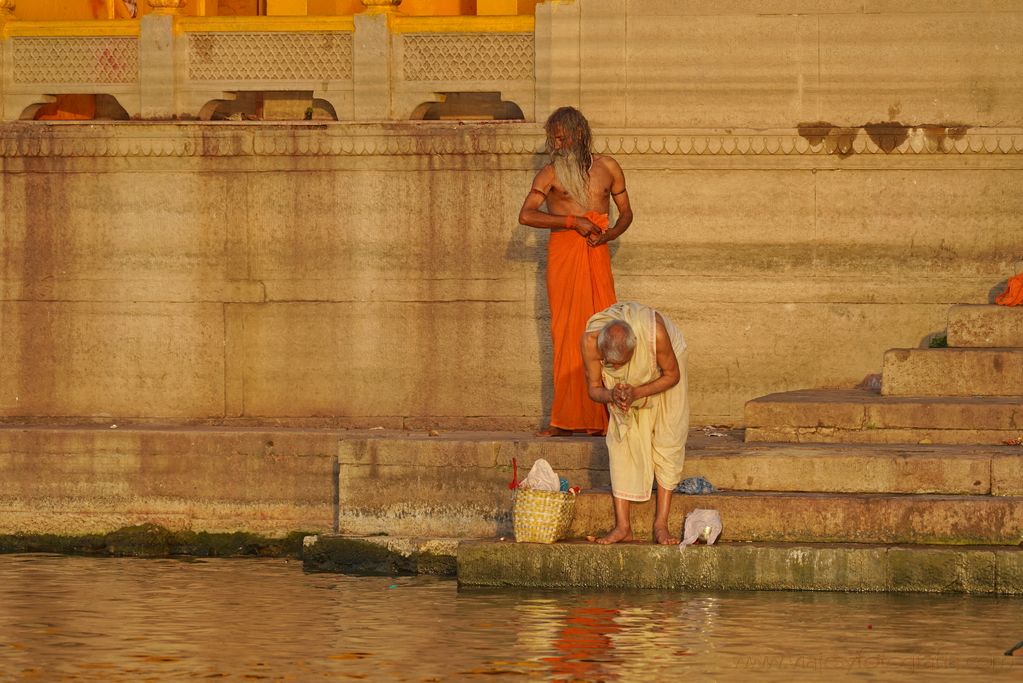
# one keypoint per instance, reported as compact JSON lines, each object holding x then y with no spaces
{"x":569,"y":221}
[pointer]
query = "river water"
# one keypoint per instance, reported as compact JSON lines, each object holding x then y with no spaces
{"x":107,"y":619}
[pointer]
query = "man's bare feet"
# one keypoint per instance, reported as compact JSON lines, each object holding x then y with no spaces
{"x":663,"y":537}
{"x":616,"y":535}
{"x":554,"y":431}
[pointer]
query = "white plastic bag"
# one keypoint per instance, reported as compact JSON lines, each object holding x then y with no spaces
{"x":705,"y":524}
{"x":541,"y":477}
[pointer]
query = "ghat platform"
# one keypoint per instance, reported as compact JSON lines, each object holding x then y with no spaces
{"x":849,"y":516}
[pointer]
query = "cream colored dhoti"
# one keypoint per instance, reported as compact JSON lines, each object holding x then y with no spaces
{"x":649,"y":440}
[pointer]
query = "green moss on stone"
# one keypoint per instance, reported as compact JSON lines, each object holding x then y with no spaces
{"x":357,"y":556}
{"x":153,"y":540}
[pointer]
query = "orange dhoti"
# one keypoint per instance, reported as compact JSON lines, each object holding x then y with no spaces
{"x":579,"y":283}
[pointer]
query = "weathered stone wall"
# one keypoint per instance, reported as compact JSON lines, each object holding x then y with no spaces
{"x":70,"y":481}
{"x":781,"y":63}
{"x":375,"y":275}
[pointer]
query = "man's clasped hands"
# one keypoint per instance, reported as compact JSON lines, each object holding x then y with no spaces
{"x":593,"y":226}
{"x":623,"y":395}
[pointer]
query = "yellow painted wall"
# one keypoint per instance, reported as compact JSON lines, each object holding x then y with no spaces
{"x":419,"y":8}
{"x":51,"y":10}
{"x":427,"y":8}
{"x":34,"y":10}
{"x":287,"y":8}
{"x":330,"y":8}
{"x":497,"y":7}
{"x":47,"y":10}
{"x":232,"y":8}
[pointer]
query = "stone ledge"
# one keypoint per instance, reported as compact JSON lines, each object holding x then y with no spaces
{"x":788,"y":517}
{"x":880,"y":437}
{"x":743,"y":566}
{"x":355,"y":139}
{"x":951,"y":372}
{"x":985,"y":326}
{"x":865,"y":417}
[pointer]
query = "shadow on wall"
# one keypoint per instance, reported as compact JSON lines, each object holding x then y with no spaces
{"x":270,"y":105}
{"x":468,"y":106}
{"x":997,"y":290}
{"x":522,"y":249}
{"x":887,"y":135}
{"x":262,"y":105}
{"x":240,"y":106}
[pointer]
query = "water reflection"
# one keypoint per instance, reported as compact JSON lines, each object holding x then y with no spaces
{"x":585,"y":646}
{"x":84,"y":619}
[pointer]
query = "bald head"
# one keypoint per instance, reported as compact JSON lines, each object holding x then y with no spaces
{"x":615,"y":342}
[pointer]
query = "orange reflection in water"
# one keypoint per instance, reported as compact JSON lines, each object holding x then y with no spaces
{"x":585,"y":645}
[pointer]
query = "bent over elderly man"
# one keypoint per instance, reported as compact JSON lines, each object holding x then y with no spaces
{"x":635,"y":363}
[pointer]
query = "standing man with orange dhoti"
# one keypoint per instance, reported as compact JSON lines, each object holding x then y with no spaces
{"x":577,"y":187}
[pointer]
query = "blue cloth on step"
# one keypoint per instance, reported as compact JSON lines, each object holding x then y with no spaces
{"x":695,"y":485}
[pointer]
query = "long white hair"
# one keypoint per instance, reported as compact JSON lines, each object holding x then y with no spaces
{"x":571,"y":162}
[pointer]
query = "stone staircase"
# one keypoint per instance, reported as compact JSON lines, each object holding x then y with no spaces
{"x":910,"y":488}
{"x":968,"y":393}
{"x":796,"y":516}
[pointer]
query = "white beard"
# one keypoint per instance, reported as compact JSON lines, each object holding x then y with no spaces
{"x":566,"y":170}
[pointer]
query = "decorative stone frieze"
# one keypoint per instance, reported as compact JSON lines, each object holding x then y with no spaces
{"x":28,"y":140}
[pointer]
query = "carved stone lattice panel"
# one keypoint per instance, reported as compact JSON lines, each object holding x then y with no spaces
{"x":75,"y":59}
{"x":468,"y":57}
{"x":320,"y":56}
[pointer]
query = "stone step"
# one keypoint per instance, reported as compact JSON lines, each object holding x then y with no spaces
{"x":985,"y":326}
{"x":842,"y":468}
{"x":953,"y":372}
{"x":864,"y":417}
{"x":449,"y":485}
{"x":916,"y":519}
{"x":743,"y":566}
{"x":456,"y":484}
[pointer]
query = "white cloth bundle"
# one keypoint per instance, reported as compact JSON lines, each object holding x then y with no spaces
{"x":541,"y":477}
{"x":705,"y":524}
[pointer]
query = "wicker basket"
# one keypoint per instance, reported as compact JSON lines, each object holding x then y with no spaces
{"x":542,"y":516}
